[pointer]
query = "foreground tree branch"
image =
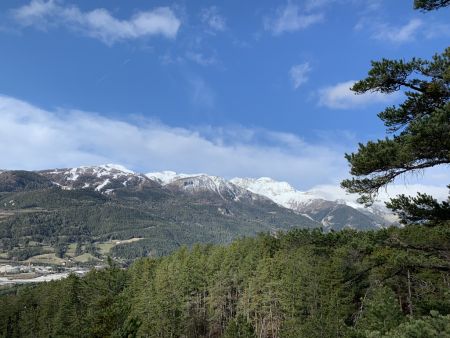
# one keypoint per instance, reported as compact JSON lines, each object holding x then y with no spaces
{"x":418,"y":129}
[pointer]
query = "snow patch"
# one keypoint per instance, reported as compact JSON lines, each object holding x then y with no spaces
{"x":101,"y":186}
{"x":167,"y":176}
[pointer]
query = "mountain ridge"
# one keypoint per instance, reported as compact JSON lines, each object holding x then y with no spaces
{"x":304,"y":202}
{"x":332,"y":214}
{"x":87,"y":206}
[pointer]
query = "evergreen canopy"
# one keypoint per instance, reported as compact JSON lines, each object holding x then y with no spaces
{"x":419,"y":128}
{"x":428,"y":5}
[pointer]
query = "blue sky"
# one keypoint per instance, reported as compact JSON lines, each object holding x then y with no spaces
{"x":231,"y":88}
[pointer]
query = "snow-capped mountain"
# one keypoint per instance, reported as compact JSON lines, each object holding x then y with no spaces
{"x":281,"y":193}
{"x":167,"y":176}
{"x":336,"y":214}
{"x":315,"y":204}
{"x":201,"y":183}
{"x":110,"y":202}
{"x":211,"y":184}
{"x":103,"y":178}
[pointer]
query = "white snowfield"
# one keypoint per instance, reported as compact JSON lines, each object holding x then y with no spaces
{"x":167,"y":176}
{"x":281,"y":193}
{"x":114,"y":170}
{"x":285,"y":195}
{"x":104,"y":173}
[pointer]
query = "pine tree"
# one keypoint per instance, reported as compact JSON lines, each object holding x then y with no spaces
{"x":381,"y":311}
{"x":419,"y":129}
{"x":428,"y":5}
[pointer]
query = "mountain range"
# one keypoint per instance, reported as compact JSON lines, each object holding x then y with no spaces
{"x":47,"y":210}
{"x":331,"y":214}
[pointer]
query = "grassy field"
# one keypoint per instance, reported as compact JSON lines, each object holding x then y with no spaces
{"x":105,"y":247}
{"x":49,"y":258}
{"x":86,"y":257}
{"x":71,"y":250}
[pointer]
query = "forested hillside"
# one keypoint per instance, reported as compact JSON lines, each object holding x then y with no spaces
{"x":304,"y":283}
{"x":40,"y":217}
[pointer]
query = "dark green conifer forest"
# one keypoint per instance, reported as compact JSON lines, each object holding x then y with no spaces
{"x":304,"y":283}
{"x":392,"y":282}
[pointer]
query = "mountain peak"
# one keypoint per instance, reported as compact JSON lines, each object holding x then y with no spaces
{"x":117,"y":167}
{"x":99,"y":177}
{"x":264,"y":185}
{"x":72,"y":174}
{"x":167,"y":176}
{"x":114,"y":180}
{"x":206,"y":183}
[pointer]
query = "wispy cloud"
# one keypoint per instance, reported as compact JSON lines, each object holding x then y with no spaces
{"x":335,"y":192}
{"x":98,"y":23}
{"x":299,"y":74}
{"x":201,"y":94}
{"x":415,"y":29}
{"x":363,"y":5}
{"x":437,"y":30}
{"x":291,"y":18}
{"x":212,"y":17}
{"x":339,"y":96}
{"x":201,"y":58}
{"x":33,"y":138}
{"x":398,"y":34}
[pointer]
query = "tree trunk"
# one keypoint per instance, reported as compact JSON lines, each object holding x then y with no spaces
{"x":410,"y":305}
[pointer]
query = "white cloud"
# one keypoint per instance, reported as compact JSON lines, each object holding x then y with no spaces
{"x":201,"y":59}
{"x":335,"y":192}
{"x":299,"y":74}
{"x":437,"y":30}
{"x":201,"y":93}
{"x":414,"y":30}
{"x":340,"y":96}
{"x":98,"y":23}
{"x":290,"y":19}
{"x":364,"y":6}
{"x":36,"y":12}
{"x":315,"y":4}
{"x":213,"y":19}
{"x":33,"y":138}
{"x":400,"y":34}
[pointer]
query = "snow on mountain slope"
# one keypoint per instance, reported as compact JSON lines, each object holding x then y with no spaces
{"x":200,"y":183}
{"x":99,"y":171}
{"x":280,"y":192}
{"x":205,"y":183}
{"x":102,"y":178}
{"x":109,"y":177}
{"x":317,"y":204}
{"x":167,"y":177}
{"x":334,"y":214}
